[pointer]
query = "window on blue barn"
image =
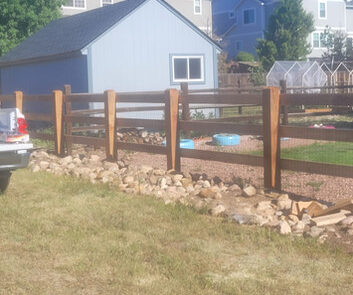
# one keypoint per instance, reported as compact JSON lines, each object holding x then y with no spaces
{"x":249,"y":16}
{"x":195,"y":68}
{"x":187,"y":68}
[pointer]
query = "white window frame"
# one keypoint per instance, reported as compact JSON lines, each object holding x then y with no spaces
{"x":195,"y":12}
{"x":111,"y":2}
{"x":318,"y":34}
{"x":244,"y":16}
{"x":319,"y":9}
{"x":74,"y":7}
{"x":321,"y":39}
{"x":188,"y":57}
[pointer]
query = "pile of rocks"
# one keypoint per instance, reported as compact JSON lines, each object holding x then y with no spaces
{"x":241,"y":202}
{"x":140,"y":136}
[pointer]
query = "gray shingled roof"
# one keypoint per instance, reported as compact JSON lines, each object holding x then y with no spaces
{"x":69,"y":35}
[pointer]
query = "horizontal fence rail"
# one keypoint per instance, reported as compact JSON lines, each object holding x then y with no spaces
{"x":333,"y":99}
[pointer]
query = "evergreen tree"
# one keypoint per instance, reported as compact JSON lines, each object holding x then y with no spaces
{"x":286,"y":34}
{"x":21,"y":18}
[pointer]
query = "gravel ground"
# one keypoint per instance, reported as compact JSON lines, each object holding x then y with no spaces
{"x":306,"y":185}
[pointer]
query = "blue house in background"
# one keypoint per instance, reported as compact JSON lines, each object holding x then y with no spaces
{"x":240,"y":23}
{"x":134,"y":45}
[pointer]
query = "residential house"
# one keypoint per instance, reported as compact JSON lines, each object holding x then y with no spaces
{"x":239,"y":23}
{"x":197,"y":11}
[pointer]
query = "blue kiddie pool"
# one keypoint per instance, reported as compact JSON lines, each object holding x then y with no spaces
{"x":184,"y":144}
{"x":225,"y":139}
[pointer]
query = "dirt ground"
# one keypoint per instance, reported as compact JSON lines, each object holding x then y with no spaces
{"x":321,"y":187}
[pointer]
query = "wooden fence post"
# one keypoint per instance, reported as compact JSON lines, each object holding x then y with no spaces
{"x":19,"y":100}
{"x":172,"y":129}
{"x":68,"y":111}
{"x":283,"y":85}
{"x":271,"y":121}
{"x":185,"y":104}
{"x":110,"y":125}
{"x":58,"y":121}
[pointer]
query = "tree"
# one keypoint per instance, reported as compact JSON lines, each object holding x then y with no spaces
{"x":21,"y":18}
{"x":338,"y":46}
{"x":222,"y":63}
{"x":244,"y":56}
{"x":286,"y":34}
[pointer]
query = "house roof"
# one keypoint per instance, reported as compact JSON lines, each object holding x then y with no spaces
{"x":69,"y":35}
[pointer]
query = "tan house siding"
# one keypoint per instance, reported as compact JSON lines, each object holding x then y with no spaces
{"x":186,"y":7}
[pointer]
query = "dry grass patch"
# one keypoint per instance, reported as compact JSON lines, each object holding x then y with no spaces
{"x":64,"y":236}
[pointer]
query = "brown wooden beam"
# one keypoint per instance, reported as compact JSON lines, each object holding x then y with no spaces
{"x":58,"y":121}
{"x":172,"y":129}
{"x":110,"y":125}
{"x":271,"y":117}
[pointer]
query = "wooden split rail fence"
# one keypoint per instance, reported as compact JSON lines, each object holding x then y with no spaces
{"x":271,"y":100}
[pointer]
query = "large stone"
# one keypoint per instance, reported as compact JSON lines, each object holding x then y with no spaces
{"x":284,"y":228}
{"x":207,"y":193}
{"x":206,"y":184}
{"x":71,"y":166}
{"x":263,"y":205}
{"x":145,"y":169}
{"x":128,"y":179}
{"x":67,"y":160}
{"x":284,"y":202}
{"x":77,"y":161}
{"x":249,"y":191}
{"x":95,"y":158}
{"x":42,"y":154}
{"x":177,"y":178}
{"x":84,"y":172}
{"x":153,"y":179}
{"x":158,"y":172}
{"x":315,"y":231}
{"x":299,"y":227}
{"x":186,"y":182}
{"x":242,"y":218}
{"x":259,"y":220}
{"x":234,"y":188}
{"x":44,"y":165}
{"x":218,"y":210}
{"x":163,"y":183}
{"x":347,"y":221}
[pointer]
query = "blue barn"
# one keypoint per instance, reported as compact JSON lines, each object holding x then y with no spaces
{"x":134,"y":45}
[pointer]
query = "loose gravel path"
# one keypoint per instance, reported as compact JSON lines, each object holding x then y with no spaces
{"x":319,"y":187}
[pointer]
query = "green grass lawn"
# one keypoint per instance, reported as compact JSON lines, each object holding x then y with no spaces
{"x":333,"y":153}
{"x":340,"y":153}
{"x":60,"y":235}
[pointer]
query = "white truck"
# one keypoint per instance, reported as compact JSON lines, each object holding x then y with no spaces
{"x":15,"y":148}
